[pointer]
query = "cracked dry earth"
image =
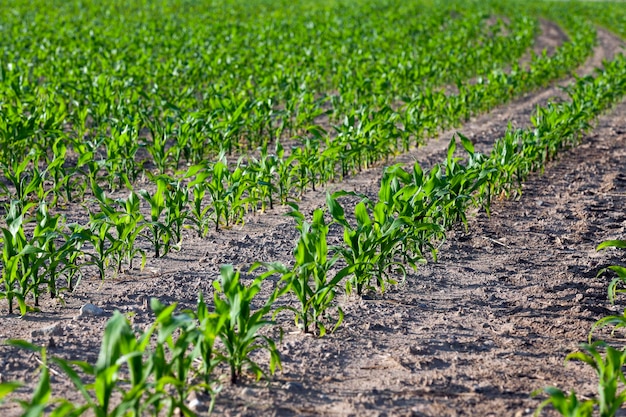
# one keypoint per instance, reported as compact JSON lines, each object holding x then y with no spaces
{"x":472,"y":334}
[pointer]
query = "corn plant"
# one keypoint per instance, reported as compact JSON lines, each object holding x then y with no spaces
{"x":237,"y":203}
{"x":56,"y":171}
{"x":373,"y":247}
{"x":26,"y":179}
{"x":210,"y":325}
{"x":74,"y":184}
{"x":41,"y":400}
{"x":609,"y":369}
{"x":39,"y":258}
{"x":263,"y":173}
{"x":283,"y":171}
{"x":361,"y":245}
{"x":99,"y":233}
{"x":218,"y":192}
{"x":70,"y":256}
{"x":150,"y":373}
{"x":119,"y":347}
{"x":198,"y":209}
{"x":159,"y":233}
{"x":618,"y":269}
{"x":617,"y":321}
{"x":47,"y":260}
{"x":15,"y":270}
{"x":7,"y":388}
{"x":239,"y":333}
{"x":121,"y":353}
{"x":121,"y":148}
{"x":305,"y":163}
{"x":125,"y":227}
{"x":174,"y":354}
{"x":157,"y":146}
{"x":310,"y":278}
{"x":567,"y":405}
{"x":410,"y":197}
{"x":176,"y":210}
{"x":226,"y":191}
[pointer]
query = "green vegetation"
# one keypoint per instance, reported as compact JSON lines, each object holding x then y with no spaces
{"x":155,"y":371}
{"x":204,"y":112}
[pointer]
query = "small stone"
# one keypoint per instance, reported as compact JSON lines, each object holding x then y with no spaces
{"x":293,"y":387}
{"x":54,"y":330}
{"x":193,"y":402}
{"x":248,"y":392}
{"x":90,"y":310}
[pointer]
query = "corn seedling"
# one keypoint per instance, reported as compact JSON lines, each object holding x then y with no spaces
{"x":199,"y":210}
{"x":239,"y":333}
{"x":309,"y":279}
{"x":617,"y":269}
{"x":41,"y":401}
{"x":159,"y":233}
{"x":15,"y":271}
{"x":176,"y":202}
{"x":609,"y":369}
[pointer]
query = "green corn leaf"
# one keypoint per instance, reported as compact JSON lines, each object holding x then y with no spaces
{"x":335,"y":209}
{"x":612,"y":244}
{"x":8,"y":387}
{"x":451,"y":150}
{"x":361,"y":214}
{"x":467,"y":144}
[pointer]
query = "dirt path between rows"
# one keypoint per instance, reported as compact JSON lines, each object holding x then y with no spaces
{"x":472,"y":334}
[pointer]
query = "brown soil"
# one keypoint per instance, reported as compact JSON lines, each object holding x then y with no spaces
{"x":473,"y":334}
{"x":552,"y":36}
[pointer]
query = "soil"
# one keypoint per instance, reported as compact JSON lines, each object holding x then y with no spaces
{"x":472,"y":334}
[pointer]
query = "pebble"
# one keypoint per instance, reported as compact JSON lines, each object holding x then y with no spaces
{"x":193,"y":402}
{"x":54,"y":330}
{"x":248,"y":392}
{"x":293,"y":387}
{"x":90,"y":310}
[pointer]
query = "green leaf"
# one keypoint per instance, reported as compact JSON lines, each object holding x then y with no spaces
{"x":467,"y":144}
{"x":335,"y":209}
{"x":612,"y":244}
{"x":8,"y":387}
{"x":451,"y":149}
{"x":23,"y":344}
{"x":361,"y":214}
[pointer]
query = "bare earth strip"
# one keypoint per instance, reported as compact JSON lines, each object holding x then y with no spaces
{"x":471,"y":335}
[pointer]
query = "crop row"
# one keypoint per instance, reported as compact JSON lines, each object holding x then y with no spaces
{"x":207,"y":194}
{"x":95,"y":124}
{"x":381,"y":240}
{"x":414,"y":209}
{"x":271,"y":75}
